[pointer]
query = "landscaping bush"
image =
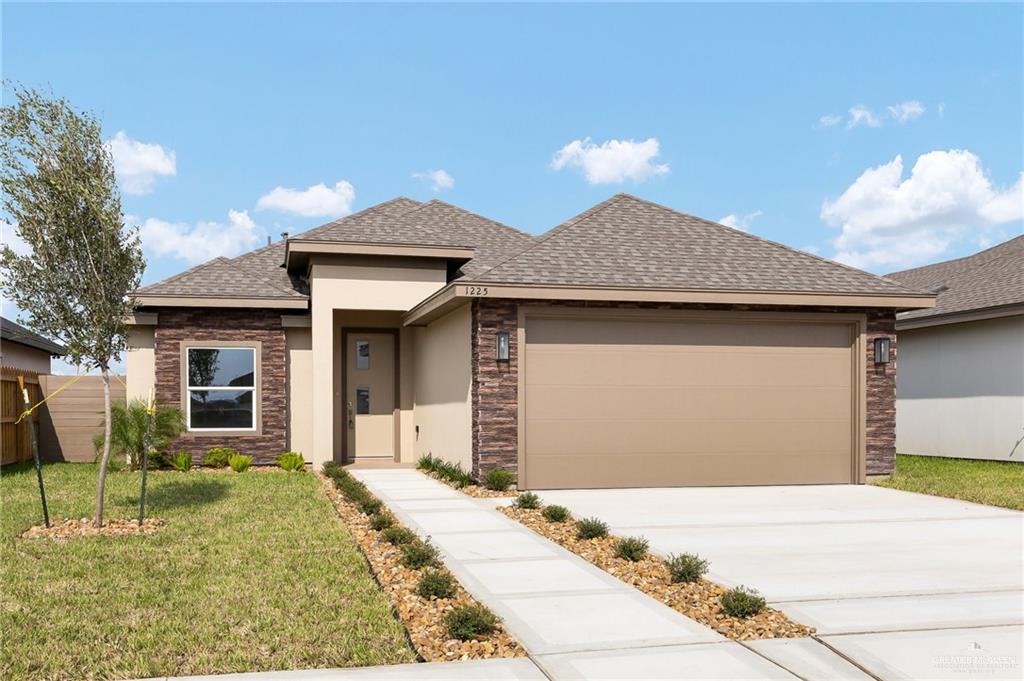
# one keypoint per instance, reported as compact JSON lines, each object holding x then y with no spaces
{"x":381,"y":521}
{"x":218,"y":457}
{"x":631,"y":548}
{"x":452,"y":472}
{"x":742,"y":602}
{"x":436,"y":584}
{"x":398,"y":535}
{"x":527,"y":500}
{"x":469,"y":621}
{"x":686,"y":567}
{"x":427,"y":462}
{"x":182,"y":461}
{"x":291,"y":461}
{"x":370,"y":506}
{"x":591,"y":528}
{"x":128,"y":432}
{"x":240,"y":462}
{"x":498,"y":479}
{"x":418,"y":554}
{"x":555,"y":513}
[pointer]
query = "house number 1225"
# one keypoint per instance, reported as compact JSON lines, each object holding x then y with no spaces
{"x":476,"y":290}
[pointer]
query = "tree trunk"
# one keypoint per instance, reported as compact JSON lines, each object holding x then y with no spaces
{"x":105,"y":459}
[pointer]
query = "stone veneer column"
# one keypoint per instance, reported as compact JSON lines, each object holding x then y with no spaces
{"x":881,"y":395}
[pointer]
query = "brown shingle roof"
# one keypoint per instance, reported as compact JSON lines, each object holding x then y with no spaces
{"x":992,"y":278}
{"x":12,"y":332}
{"x":222,"y":278}
{"x":626,"y":242}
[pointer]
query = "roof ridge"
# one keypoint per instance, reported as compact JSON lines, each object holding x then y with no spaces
{"x":962,"y":259}
{"x":460,"y":209}
{"x":358,"y":213}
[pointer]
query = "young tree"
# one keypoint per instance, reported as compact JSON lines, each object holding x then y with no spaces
{"x":61,"y":196}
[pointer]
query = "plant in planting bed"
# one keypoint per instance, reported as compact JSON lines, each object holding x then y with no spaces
{"x":370,"y":506}
{"x":418,"y":554}
{"x":631,"y":548}
{"x":451,"y":472}
{"x":240,"y":462}
{"x":555,"y":513}
{"x":217,"y":457}
{"x":469,"y":621}
{"x":498,"y":479}
{"x":436,"y":584}
{"x":686,"y":567}
{"x":291,"y":461}
{"x":398,"y":535}
{"x":381,"y":521}
{"x":591,"y":528}
{"x":742,"y":602}
{"x":182,"y":461}
{"x":527,"y":500}
{"x":427,"y":462}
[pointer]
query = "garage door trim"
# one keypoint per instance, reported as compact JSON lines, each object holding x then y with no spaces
{"x":855,"y":321}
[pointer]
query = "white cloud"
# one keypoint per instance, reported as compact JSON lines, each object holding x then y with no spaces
{"x":889,"y":222}
{"x":138,"y":164}
{"x":438,"y":179}
{"x":741,"y":222}
{"x":204,"y":240}
{"x":316,"y":201}
{"x":829,"y":120}
{"x":614,"y":161}
{"x":862,"y":115}
{"x":942,"y":109}
{"x":906,"y":111}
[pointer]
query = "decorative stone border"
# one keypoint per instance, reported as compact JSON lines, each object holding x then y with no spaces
{"x":478,"y":491}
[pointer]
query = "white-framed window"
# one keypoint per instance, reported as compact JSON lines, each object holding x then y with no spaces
{"x":221,"y":388}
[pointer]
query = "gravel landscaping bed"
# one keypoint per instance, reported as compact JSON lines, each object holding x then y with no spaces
{"x":67,"y":529}
{"x":473,"y":490}
{"x":699,"y":600}
{"x":424,"y":618}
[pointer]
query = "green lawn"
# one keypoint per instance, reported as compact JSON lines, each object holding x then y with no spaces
{"x":252,"y":572}
{"x":997,"y":483}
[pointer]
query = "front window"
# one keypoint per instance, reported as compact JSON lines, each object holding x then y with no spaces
{"x":221,"y":388}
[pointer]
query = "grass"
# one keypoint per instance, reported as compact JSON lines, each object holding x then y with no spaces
{"x":252,"y":572}
{"x":997,"y":483}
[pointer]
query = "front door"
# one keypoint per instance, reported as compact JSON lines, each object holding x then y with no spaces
{"x":370,"y":396}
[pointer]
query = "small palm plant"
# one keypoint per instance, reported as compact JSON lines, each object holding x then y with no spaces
{"x":128,"y":430}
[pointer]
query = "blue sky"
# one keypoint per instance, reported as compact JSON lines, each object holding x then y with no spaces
{"x":776,"y":115}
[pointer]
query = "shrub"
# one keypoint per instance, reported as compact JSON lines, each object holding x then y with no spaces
{"x":631,"y":548}
{"x":370,"y":506}
{"x":381,"y":521}
{"x":240,"y":462}
{"x":398,"y":535}
{"x":555,"y":514}
{"x":128,"y":432}
{"x":742,"y":602}
{"x":218,"y":457}
{"x":591,"y":528}
{"x":527,"y":500}
{"x":182,"y":461}
{"x":333,"y":471}
{"x":417,"y":554}
{"x":427,"y":462}
{"x":469,"y":621}
{"x":436,"y":584}
{"x":686,"y":567}
{"x":452,"y":472}
{"x":498,"y":479}
{"x":291,"y":461}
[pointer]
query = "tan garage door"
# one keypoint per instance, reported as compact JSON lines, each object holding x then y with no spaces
{"x":727,"y":400}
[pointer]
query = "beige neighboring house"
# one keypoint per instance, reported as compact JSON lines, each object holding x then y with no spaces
{"x":960,"y":391}
{"x":632,"y":345}
{"x":21,"y":348}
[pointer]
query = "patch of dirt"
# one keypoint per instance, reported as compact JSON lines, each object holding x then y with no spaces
{"x":68,"y":529}
{"x":478,"y":491}
{"x":697,"y":600}
{"x":423,"y":618}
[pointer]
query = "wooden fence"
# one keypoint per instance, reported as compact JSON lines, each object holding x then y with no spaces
{"x":15,"y":442}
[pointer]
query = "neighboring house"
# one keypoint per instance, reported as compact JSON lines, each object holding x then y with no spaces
{"x":961,"y":383}
{"x":631,"y":346}
{"x":24,"y":349}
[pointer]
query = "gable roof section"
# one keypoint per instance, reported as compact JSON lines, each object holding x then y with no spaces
{"x":985,"y":281}
{"x":12,"y":332}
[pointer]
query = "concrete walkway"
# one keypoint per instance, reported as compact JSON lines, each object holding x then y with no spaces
{"x":574,"y":619}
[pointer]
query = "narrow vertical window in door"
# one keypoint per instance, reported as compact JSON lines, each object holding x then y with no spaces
{"x":363,"y":400}
{"x":362,"y":354}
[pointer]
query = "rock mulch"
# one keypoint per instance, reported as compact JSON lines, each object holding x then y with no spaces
{"x":478,"y":491}
{"x":71,"y":528}
{"x":423,"y":618}
{"x":698,"y":600}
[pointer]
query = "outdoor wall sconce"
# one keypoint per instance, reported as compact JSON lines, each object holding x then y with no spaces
{"x":882,"y":350}
{"x":501,"y":351}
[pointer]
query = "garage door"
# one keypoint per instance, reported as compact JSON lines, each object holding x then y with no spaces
{"x":637,"y":402}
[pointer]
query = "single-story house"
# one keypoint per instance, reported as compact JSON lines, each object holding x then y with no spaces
{"x":960,"y":391}
{"x":633,"y":345}
{"x":23,"y":349}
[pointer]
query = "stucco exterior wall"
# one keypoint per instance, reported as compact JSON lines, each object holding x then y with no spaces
{"x":140,"y":362}
{"x":960,"y":391}
{"x":299,"y":345}
{"x":23,"y":357}
{"x":442,"y":409}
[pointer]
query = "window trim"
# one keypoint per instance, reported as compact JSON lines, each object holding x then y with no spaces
{"x":257,"y":389}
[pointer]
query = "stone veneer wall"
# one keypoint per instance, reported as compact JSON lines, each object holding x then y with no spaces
{"x":495,"y":384}
{"x":217,"y":324}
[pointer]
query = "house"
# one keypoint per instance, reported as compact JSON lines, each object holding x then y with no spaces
{"x":632,"y":345}
{"x":24,"y":349}
{"x":960,"y":391}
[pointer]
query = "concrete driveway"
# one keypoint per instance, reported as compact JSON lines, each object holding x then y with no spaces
{"x":907,"y":586}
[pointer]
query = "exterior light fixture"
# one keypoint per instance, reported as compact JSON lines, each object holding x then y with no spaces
{"x":501,"y":349}
{"x":882,"y":350}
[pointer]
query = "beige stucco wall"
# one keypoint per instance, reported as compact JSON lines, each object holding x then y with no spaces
{"x":443,"y":409}
{"x":23,"y":357}
{"x":960,"y":390}
{"x":140,"y":362}
{"x":299,"y":344}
